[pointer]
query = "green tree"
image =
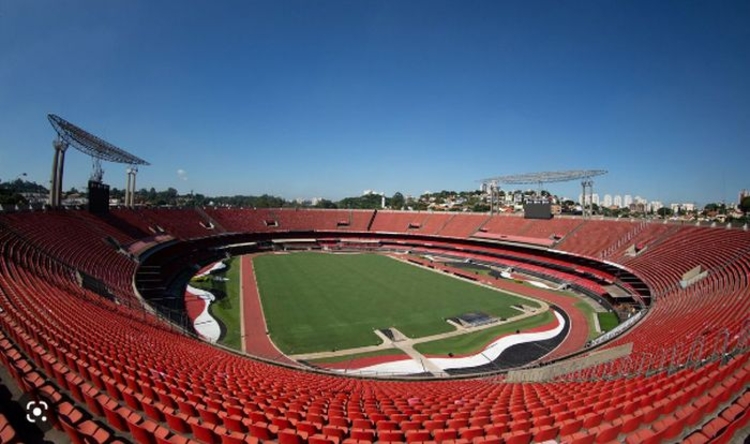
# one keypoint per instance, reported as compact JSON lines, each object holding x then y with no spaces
{"x":8,"y":197}
{"x":325,"y":203}
{"x":745,"y":205}
{"x":397,"y":201}
{"x":480,"y":208}
{"x":11,"y":191}
{"x":366,"y":202}
{"x":420,"y":205}
{"x":116,"y":193}
{"x":199,"y":199}
{"x":664,"y":212}
{"x":710,"y":207}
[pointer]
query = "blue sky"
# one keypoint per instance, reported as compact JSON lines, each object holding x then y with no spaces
{"x":319,"y":98}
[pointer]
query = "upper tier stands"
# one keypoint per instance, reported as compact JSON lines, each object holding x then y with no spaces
{"x":639,"y":239}
{"x":463,"y":225}
{"x":182,"y":224}
{"x":593,"y":237}
{"x":264,"y":220}
{"x":78,"y":241}
{"x":689,"y":247}
{"x":517,"y":226}
{"x":399,"y":221}
{"x":115,"y":373}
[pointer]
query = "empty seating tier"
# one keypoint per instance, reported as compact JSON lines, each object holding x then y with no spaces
{"x":116,"y":373}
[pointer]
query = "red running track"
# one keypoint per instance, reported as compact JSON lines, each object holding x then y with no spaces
{"x":257,"y":342}
{"x":579,"y":326}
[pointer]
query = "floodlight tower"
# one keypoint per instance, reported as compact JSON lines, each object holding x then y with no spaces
{"x":69,"y":134}
{"x":553,"y":176}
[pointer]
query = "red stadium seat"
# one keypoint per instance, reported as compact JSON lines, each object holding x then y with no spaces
{"x":154,"y":384}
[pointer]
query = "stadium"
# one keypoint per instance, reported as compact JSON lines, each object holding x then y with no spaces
{"x":250,"y":280}
{"x":97,"y":324}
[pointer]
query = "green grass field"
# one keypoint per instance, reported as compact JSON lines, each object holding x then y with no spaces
{"x":588,"y":310}
{"x":317,"y":302}
{"x":227,"y":310}
{"x":474,"y":342}
{"x":336,"y":359}
{"x":607,"y":321}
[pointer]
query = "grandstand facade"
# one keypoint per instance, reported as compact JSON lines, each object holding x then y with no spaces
{"x":92,"y":320}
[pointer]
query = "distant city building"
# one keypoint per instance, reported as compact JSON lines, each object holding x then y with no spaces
{"x":743,"y":194}
{"x":617,"y":201}
{"x":595,"y":198}
{"x":36,"y":198}
{"x":607,"y":200}
{"x":627,"y":200}
{"x":689,"y":207}
{"x":655,"y":205}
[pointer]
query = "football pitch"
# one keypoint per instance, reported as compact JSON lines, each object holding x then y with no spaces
{"x":321,"y":302}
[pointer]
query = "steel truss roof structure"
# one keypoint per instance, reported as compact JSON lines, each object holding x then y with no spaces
{"x":90,"y":144}
{"x":546,"y":177}
{"x":586,"y":176}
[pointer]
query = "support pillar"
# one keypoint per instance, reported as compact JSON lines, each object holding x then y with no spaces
{"x":492,"y":198}
{"x":58,"y":165}
{"x":53,"y":178}
{"x":583,"y":199}
{"x":587,"y":184}
{"x":127,"y":189}
{"x":60,"y":170}
{"x":134,"y":171}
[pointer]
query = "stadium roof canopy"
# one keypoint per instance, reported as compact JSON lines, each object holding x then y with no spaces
{"x":90,"y":144}
{"x":546,"y":177}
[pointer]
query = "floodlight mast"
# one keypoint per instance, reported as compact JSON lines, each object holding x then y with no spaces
{"x":553,"y":176}
{"x":99,"y":149}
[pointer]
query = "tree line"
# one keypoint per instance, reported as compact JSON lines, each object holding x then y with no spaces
{"x":14,"y":192}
